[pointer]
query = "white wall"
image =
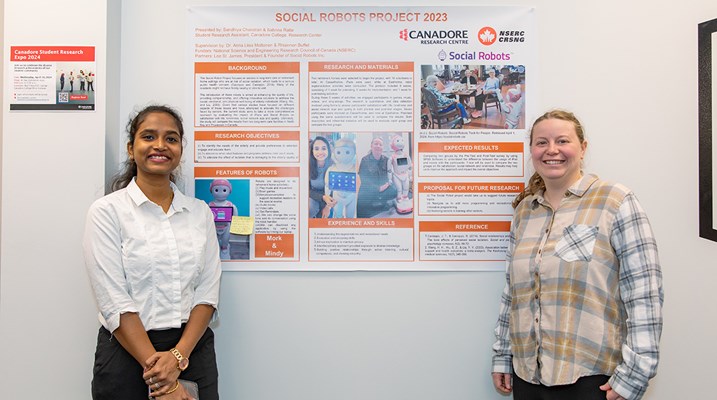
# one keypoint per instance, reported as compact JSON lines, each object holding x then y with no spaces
{"x":628,"y":69}
{"x":52,"y":162}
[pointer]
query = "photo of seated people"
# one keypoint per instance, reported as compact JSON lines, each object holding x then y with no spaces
{"x":365,"y":175}
{"x":472,"y":97}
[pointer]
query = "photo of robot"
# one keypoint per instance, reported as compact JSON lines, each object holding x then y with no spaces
{"x":386,"y":174}
{"x":333,"y":181}
{"x":227,"y":198}
{"x":364,"y":175}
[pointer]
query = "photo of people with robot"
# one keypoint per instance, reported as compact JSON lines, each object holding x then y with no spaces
{"x":227,"y":198}
{"x":361,"y":175}
{"x":472,"y":96}
{"x":75,"y":82}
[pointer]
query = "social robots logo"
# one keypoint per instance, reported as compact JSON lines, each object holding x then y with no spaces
{"x":442,"y":55}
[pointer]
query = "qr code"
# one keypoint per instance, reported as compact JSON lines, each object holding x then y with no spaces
{"x":63,"y":97}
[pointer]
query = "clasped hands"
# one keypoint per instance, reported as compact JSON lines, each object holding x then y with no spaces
{"x":161,"y":374}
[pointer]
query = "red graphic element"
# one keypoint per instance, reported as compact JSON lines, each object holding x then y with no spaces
{"x":52,"y":53}
{"x":487,"y":36}
{"x":78,"y":97}
{"x":403,"y":34}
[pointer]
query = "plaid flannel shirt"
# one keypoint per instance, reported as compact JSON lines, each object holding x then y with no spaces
{"x":583,"y":292}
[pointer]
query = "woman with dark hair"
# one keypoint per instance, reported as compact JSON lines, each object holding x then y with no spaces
{"x":319,"y":161}
{"x":581,"y":312}
{"x":153,"y":261}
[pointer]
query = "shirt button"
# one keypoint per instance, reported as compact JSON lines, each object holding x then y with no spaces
{"x":536,"y":297}
{"x":536,"y":320}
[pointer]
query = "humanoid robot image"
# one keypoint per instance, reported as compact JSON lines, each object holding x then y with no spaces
{"x":342,"y":181}
{"x":221,"y":189}
{"x":513,"y":107}
{"x":401,"y":168}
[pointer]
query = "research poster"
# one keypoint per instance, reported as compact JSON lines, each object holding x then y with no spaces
{"x":360,"y":138}
{"x":52,"y":78}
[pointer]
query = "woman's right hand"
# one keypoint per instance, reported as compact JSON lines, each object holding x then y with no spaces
{"x":161,"y":374}
{"x":325,"y":212}
{"x":502,"y":382}
{"x":330,"y":202}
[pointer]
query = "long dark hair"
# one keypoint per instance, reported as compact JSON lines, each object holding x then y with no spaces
{"x":536,"y":183}
{"x":313,"y":162}
{"x":129,"y":170}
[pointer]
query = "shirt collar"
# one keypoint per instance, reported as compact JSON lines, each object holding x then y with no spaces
{"x":578,"y":188}
{"x":582,"y":185}
{"x":179,"y":203}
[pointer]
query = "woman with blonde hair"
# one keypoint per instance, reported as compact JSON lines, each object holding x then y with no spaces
{"x":581,"y":312}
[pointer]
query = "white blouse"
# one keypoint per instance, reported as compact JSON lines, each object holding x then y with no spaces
{"x":140,"y":259}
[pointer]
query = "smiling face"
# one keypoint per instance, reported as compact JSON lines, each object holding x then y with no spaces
{"x":157,"y":146}
{"x":557,"y":152}
{"x":320,"y":150}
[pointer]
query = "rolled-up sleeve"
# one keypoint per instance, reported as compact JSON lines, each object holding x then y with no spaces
{"x":102,"y":247}
{"x":641,"y":292}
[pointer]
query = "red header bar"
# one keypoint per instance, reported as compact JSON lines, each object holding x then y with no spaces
{"x":52,"y":53}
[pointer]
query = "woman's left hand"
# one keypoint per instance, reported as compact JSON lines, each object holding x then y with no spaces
{"x":162,"y":372}
{"x":179,"y":394}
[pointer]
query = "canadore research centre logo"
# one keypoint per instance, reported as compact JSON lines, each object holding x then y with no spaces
{"x":435,"y":37}
{"x":486,"y":36}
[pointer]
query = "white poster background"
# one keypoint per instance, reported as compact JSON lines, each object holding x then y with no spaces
{"x":260,"y":72}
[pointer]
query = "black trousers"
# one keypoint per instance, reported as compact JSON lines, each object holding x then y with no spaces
{"x":118,"y":376}
{"x":585,"y":388}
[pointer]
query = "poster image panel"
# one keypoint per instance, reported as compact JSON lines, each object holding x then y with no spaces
{"x":472,"y":96}
{"x":376,"y":181}
{"x":227,"y":198}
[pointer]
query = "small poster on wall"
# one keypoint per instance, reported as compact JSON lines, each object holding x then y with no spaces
{"x":52,"y":78}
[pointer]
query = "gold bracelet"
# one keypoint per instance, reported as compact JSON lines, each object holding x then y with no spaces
{"x":174,"y":388}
